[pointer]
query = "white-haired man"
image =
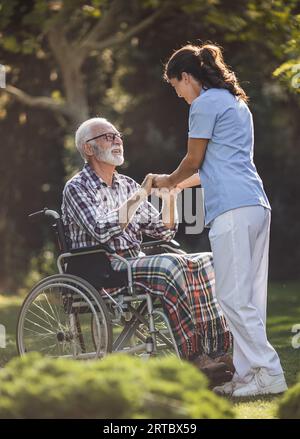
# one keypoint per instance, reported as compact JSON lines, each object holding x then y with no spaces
{"x":102,"y":206}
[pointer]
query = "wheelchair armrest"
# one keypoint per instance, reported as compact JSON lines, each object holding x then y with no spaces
{"x":104,"y":247}
{"x":160,"y":243}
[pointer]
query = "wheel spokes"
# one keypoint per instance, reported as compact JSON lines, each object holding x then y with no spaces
{"x":57,"y":323}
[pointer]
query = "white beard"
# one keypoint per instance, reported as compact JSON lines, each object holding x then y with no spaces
{"x":106,"y":155}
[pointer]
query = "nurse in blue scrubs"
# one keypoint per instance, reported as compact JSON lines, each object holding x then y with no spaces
{"x":237,"y":210}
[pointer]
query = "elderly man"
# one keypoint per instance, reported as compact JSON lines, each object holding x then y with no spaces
{"x":103,"y":206}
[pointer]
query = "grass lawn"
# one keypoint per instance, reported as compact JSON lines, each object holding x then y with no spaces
{"x":283,"y":314}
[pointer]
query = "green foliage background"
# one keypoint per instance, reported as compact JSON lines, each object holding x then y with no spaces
{"x":122,"y":80}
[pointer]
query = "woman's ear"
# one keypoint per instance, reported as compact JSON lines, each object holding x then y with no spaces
{"x":185,"y":77}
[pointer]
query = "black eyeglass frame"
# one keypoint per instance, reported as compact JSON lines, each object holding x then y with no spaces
{"x":119,"y":135}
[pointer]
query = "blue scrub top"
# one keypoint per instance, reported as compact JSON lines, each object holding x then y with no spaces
{"x":228,"y":174}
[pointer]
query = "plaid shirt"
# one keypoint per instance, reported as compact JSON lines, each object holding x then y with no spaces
{"x":90,"y":213}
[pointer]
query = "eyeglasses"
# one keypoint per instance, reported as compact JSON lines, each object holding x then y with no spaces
{"x":109,"y":137}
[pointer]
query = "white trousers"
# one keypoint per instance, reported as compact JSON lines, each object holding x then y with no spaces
{"x":239,"y":240}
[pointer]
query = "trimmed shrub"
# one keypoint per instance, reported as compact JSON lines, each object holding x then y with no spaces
{"x":117,"y":387}
{"x":289,"y":405}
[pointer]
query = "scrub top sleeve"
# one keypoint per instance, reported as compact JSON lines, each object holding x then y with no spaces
{"x":202,"y":119}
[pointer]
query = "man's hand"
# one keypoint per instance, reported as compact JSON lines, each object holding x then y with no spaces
{"x":162,"y":181}
{"x":148,"y":183}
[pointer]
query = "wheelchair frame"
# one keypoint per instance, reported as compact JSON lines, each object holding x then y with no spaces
{"x":127,"y":308}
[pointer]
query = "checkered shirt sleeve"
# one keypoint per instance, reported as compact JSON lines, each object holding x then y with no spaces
{"x":152,"y":225}
{"x":101,"y":226}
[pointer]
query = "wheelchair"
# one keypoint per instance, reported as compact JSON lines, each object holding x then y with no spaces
{"x":73,"y":314}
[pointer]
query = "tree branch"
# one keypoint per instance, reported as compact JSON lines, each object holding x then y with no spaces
{"x":36,"y":101}
{"x":91,"y":41}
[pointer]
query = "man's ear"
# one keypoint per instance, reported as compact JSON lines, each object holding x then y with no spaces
{"x":88,"y":150}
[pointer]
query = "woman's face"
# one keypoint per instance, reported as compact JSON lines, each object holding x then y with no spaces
{"x":187,"y":87}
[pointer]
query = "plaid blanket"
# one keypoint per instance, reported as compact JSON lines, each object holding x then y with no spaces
{"x":185,"y":283}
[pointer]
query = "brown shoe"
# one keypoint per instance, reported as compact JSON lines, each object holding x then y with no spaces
{"x":203,"y":361}
{"x":227,"y":359}
{"x":216,"y":372}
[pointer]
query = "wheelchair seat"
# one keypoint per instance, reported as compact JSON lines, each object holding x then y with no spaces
{"x":89,"y":263}
{"x":96,"y":269}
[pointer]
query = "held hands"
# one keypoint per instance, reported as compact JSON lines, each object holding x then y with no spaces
{"x":162,"y":181}
{"x":129,"y":208}
{"x":159,"y":185}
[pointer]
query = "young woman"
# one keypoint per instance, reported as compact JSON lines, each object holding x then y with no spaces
{"x":237,"y":211}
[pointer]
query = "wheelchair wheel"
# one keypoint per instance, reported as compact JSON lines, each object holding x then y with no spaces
{"x":165,"y":342}
{"x":55,"y":320}
{"x":130,"y":336}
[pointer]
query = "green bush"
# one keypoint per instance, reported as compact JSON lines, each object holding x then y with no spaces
{"x":117,"y":387}
{"x":289,"y":405}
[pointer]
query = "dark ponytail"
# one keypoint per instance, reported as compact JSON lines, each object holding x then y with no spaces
{"x":206,"y":64}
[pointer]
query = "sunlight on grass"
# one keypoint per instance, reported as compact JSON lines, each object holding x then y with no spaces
{"x":9,"y":310}
{"x":256,"y":409}
{"x":10,"y":301}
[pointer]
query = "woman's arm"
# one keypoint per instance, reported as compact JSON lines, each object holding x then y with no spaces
{"x":188,"y":166}
{"x":194,"y":180}
{"x":192,"y":161}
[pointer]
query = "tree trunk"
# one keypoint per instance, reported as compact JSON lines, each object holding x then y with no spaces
{"x":70,"y":64}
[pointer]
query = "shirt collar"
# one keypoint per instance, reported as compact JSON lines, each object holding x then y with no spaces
{"x":97,"y":181}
